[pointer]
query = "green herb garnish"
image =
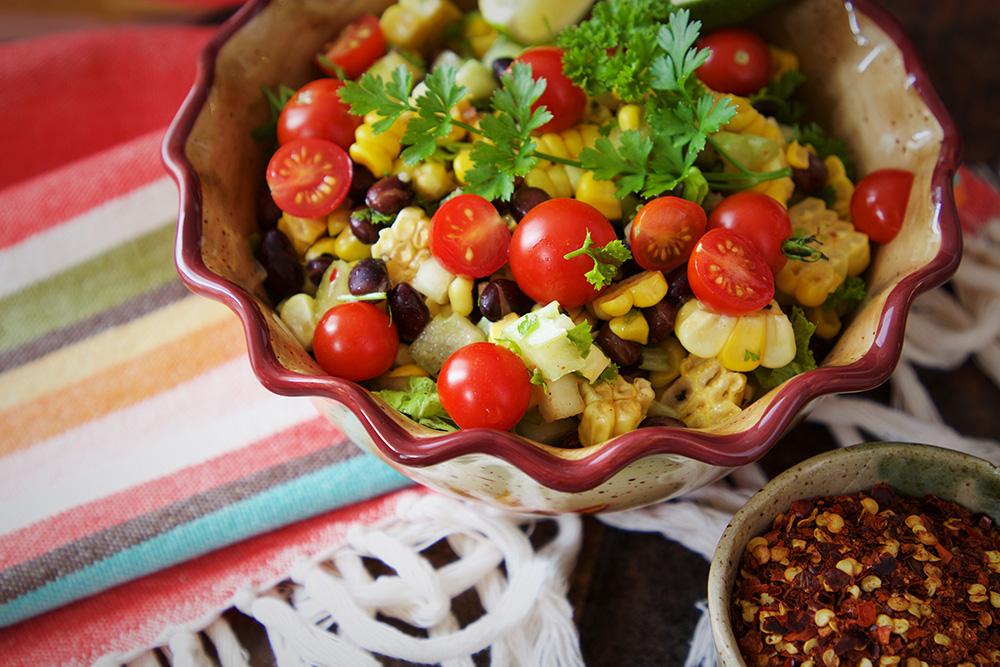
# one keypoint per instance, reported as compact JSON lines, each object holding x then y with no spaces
{"x":582,"y":337}
{"x":606,"y":258}
{"x":769,"y":378}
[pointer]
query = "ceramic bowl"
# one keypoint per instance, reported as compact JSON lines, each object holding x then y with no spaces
{"x":914,"y":470}
{"x":865,"y":84}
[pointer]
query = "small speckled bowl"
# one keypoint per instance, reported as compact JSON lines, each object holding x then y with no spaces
{"x":914,"y":470}
{"x":864,"y":84}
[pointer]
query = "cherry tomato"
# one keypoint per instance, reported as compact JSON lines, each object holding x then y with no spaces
{"x":664,"y":231}
{"x":728,"y":274}
{"x":309,"y":177}
{"x":484,"y":386}
{"x":740,"y":62}
{"x":316,"y":111}
{"x":355,"y":341}
{"x":759,"y":219}
{"x":469,"y":237}
{"x":359,"y":45}
{"x":544,"y":236}
{"x":878,"y":204}
{"x":563,"y":98}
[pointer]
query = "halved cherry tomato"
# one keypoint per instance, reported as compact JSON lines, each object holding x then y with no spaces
{"x":541,"y":241}
{"x":740,"y":62}
{"x":728,"y":274}
{"x":563,"y":98}
{"x":355,"y":341}
{"x":757,"y":218}
{"x":484,"y":386}
{"x":316,"y":111}
{"x":309,"y":177}
{"x":878,"y":204}
{"x":359,"y":45}
{"x":664,"y":231}
{"x":469,"y":237}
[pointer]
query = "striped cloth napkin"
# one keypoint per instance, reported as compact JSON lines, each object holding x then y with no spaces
{"x":133,"y":434}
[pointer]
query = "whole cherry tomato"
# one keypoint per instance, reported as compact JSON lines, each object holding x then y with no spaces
{"x":484,"y":386}
{"x":316,"y":111}
{"x":728,"y":274}
{"x":563,"y":98}
{"x":878,"y":205}
{"x":469,"y":237}
{"x":664,"y":231}
{"x":309,"y":177}
{"x":758,"y":219}
{"x":359,"y":45}
{"x":355,"y":341}
{"x":541,"y":241}
{"x":740,"y":62}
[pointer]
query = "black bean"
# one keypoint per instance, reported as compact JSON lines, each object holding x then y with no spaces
{"x":678,"y":289}
{"x":367,"y":276}
{"x":388,"y":195}
{"x":361,"y":180}
{"x":660,"y":318}
{"x":669,"y":422}
{"x":500,"y":66}
{"x":409,"y":312}
{"x":500,"y":297}
{"x":315,"y":268}
{"x":622,"y":352}
{"x":571,"y":441}
{"x":268,"y":212}
{"x":766,"y":106}
{"x":284,"y":272}
{"x":812,"y":179}
{"x":526,"y":198}
{"x":362,"y":227}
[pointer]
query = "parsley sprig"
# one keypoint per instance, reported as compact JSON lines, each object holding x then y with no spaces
{"x":607,"y":259}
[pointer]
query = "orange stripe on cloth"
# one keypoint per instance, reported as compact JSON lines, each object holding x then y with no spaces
{"x":121,"y":385}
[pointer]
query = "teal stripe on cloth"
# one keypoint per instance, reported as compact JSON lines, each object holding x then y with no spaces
{"x":326,"y":489}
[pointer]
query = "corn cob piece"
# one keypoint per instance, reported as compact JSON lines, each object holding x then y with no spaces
{"x":705,"y":394}
{"x":808,"y":284}
{"x":404,"y":245}
{"x":378,"y":152}
{"x":836,"y":178}
{"x":763,"y":338}
{"x":613,"y":408}
{"x":640,"y":291}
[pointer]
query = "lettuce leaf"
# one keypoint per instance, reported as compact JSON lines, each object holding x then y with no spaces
{"x":420,"y":402}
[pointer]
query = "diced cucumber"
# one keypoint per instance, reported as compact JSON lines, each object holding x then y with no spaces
{"x":299,"y":315}
{"x":478,"y":78}
{"x":441,"y":338}
{"x":390,"y":62}
{"x":432,"y":280}
{"x":533,"y":21}
{"x":561,"y":398}
{"x":542,"y":338}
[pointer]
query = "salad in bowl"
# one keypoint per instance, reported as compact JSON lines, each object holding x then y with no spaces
{"x":549,"y":242}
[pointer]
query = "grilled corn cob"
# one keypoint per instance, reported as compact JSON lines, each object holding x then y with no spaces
{"x":705,"y":394}
{"x":613,"y":408}
{"x":763,"y":338}
{"x":404,"y":244}
{"x":846,"y":249}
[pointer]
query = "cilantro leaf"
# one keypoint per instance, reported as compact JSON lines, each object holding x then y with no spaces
{"x":527,"y":324}
{"x":626,"y":162}
{"x":608,"y":374}
{"x":420,"y":402}
{"x":276,"y":101}
{"x":825,"y":145}
{"x":769,"y":378}
{"x":606,"y":258}
{"x":582,"y":337}
{"x":674,"y":70}
{"x":848,"y":295}
{"x":537,"y":378}
{"x":510,"y":345}
{"x":776,"y":98}
{"x":433,"y":120}
{"x":389,"y":100}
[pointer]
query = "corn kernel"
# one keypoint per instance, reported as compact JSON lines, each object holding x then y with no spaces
{"x":407,"y":371}
{"x":325,"y":246}
{"x":641,"y":291}
{"x":629,"y":117}
{"x":836,"y":178}
{"x":480,"y":34}
{"x":418,"y":25}
{"x":782,"y":62}
{"x":431,"y":180}
{"x":349,"y":248}
{"x":462,"y":164}
{"x":744,"y":346}
{"x":631,"y":326}
{"x":460,"y":295}
{"x":302,"y":232}
{"x":797,"y":155}
{"x":337,"y":221}
{"x":826,"y":320}
{"x":599,"y":194}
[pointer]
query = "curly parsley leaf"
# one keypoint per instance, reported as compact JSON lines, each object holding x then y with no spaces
{"x":777,"y":98}
{"x":582,"y":337}
{"x":606,"y":258}
{"x":769,"y":378}
{"x":389,"y":100}
{"x":433,"y":120}
{"x":825,"y":145}
{"x":420,"y":402}
{"x":848,"y":295}
{"x":509,"y":151}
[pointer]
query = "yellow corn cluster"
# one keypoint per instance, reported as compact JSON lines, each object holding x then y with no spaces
{"x":836,"y":178}
{"x":404,"y":245}
{"x":846,"y":249}
{"x":763,"y":338}
{"x":705,"y":394}
{"x":378,"y":152}
{"x":431,"y":180}
{"x":418,"y":25}
{"x":631,"y":326}
{"x":748,"y":120}
{"x":559,"y":180}
{"x":640,"y":291}
{"x":314,"y":237}
{"x":613,"y":408}
{"x":479,"y":34}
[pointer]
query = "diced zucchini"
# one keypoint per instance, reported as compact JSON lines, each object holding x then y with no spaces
{"x":542,"y":339}
{"x":441,"y":338}
{"x":560,"y":398}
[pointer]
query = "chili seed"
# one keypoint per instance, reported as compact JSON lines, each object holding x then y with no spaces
{"x":389,"y":195}
{"x":368,"y":276}
{"x":501,"y":297}
{"x":409,"y":312}
{"x":284,"y":272}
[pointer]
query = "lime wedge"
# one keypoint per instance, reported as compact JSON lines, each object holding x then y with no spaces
{"x":533,"y":21}
{"x":718,"y":13}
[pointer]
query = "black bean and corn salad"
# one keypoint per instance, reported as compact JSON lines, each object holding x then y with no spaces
{"x":567,"y":219}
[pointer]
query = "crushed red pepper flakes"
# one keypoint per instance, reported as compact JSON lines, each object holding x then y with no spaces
{"x":871,"y":579}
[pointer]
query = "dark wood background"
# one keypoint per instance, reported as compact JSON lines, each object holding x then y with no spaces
{"x":634,"y":594}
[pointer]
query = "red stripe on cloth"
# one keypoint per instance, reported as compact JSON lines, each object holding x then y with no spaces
{"x":39,"y":538}
{"x":135,"y":615}
{"x":70,"y":95}
{"x":52,"y":198}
